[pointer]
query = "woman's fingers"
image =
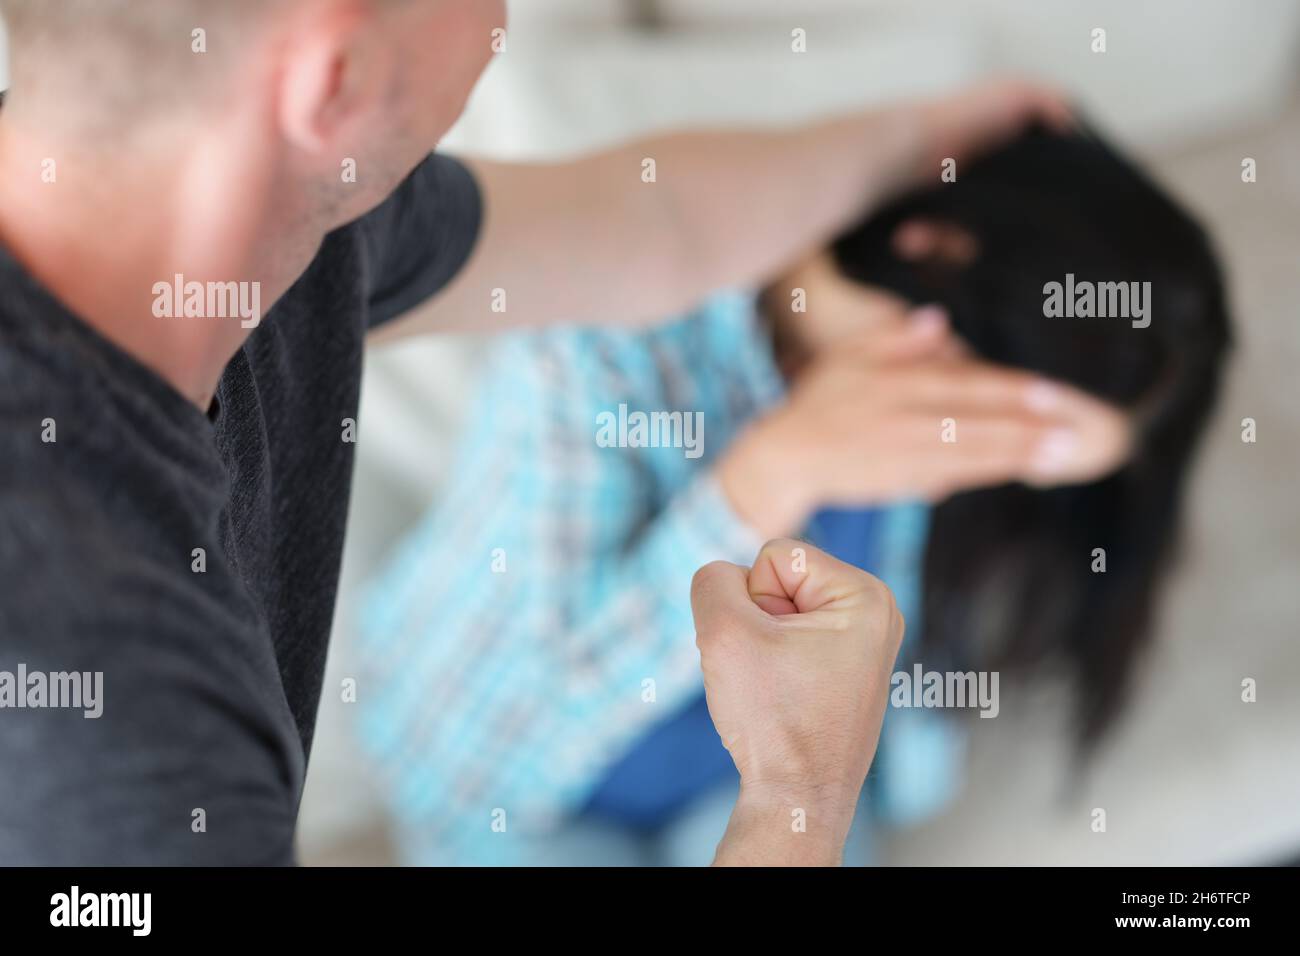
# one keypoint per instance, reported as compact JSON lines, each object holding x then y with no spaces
{"x":943,"y":456}
{"x":973,"y":385}
{"x":908,"y":337}
{"x":965,"y":386}
{"x":969,"y":451}
{"x":1078,"y":437}
{"x":924,"y":422}
{"x":992,"y":451}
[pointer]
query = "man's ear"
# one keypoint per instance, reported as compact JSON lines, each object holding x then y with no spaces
{"x":330,"y":76}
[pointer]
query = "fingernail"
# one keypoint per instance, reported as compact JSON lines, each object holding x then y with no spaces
{"x":1055,"y":451}
{"x":1042,"y":396}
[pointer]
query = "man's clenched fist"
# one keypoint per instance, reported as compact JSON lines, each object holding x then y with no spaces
{"x":797,"y":653}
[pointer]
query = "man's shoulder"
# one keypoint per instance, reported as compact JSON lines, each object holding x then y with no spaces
{"x":418,"y":239}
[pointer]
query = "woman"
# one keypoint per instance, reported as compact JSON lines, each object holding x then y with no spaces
{"x":541,"y":612}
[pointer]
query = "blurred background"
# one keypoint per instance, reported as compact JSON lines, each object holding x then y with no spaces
{"x":1191,"y":775}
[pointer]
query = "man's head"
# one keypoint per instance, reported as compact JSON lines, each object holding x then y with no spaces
{"x":222,"y":141}
{"x":297,"y":87}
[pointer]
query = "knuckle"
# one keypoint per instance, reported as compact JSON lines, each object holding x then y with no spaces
{"x":779,"y":547}
{"x":702,"y":581}
{"x":892,"y":629}
{"x":877,"y":596}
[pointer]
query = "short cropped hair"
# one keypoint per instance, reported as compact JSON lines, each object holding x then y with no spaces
{"x":103,"y":62}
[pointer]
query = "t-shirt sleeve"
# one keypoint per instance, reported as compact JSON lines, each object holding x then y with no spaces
{"x":420,"y":237}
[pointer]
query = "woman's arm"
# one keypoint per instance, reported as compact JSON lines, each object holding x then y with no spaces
{"x":516,"y":631}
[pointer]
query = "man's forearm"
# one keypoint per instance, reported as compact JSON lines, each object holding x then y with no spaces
{"x":787,"y":828}
{"x":743,"y":205}
{"x":611,"y":238}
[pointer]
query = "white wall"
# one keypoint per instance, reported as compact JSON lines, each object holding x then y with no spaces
{"x":1174,"y":69}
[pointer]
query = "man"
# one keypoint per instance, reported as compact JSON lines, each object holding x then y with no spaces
{"x":204,"y":208}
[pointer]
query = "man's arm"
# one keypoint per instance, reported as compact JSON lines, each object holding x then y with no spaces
{"x":796,"y":652}
{"x":592,"y":241}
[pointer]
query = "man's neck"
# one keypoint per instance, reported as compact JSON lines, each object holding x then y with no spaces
{"x":106,"y":237}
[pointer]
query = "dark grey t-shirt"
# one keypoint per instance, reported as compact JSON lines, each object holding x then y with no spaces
{"x":110,"y":481}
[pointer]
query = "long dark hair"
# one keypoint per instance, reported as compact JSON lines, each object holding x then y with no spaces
{"x":1009,"y":571}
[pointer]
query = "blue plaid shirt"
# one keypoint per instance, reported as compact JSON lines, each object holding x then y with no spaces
{"x":537,"y":623}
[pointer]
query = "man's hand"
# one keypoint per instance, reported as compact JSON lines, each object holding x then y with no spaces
{"x":982,"y":117}
{"x":962,"y":126}
{"x":796,"y":653}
